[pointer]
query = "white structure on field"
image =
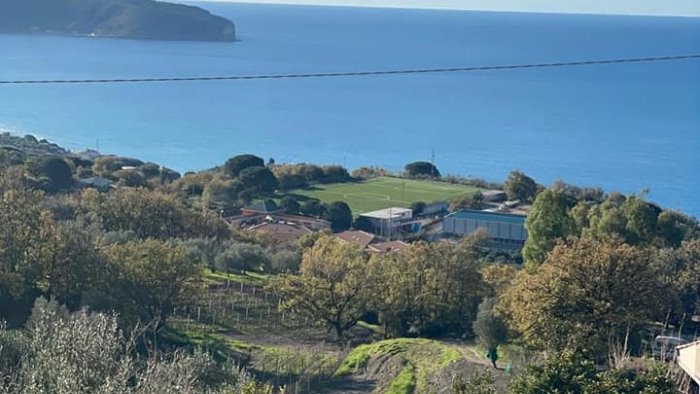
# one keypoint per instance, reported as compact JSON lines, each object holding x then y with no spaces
{"x":390,"y":222}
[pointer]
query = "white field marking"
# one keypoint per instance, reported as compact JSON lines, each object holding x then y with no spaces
{"x":364,"y":196}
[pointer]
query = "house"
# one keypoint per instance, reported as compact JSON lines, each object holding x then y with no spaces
{"x":262,"y":207}
{"x":494,"y":195}
{"x":390,"y":222}
{"x":387,"y":246}
{"x":251,"y":218}
{"x":99,"y":183}
{"x":360,"y":238}
{"x":371,"y":242}
{"x":688,"y":359}
{"x":265,"y":217}
{"x":504,"y":229}
{"x":281,"y":232}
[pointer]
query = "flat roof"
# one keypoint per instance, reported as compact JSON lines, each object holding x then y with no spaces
{"x":387,"y":213}
{"x":489,"y":216}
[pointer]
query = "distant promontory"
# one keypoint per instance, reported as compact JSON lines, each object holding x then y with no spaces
{"x":136,"y":19}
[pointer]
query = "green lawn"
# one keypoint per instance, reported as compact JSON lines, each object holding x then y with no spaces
{"x":384,"y":192}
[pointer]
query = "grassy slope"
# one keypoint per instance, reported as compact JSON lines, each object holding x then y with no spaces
{"x":423,"y":358}
{"x":279,"y":353}
{"x":249,"y":278}
{"x":385,"y":192}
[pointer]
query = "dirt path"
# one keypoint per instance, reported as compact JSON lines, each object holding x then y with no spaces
{"x":472,"y":355}
{"x":350,"y":385}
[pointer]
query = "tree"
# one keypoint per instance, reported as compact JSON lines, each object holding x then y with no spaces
{"x":422,"y":168}
{"x":479,"y":383}
{"x":588,"y":295}
{"x":290,"y":205}
{"x":369,"y":172}
{"x":547,"y":222}
{"x":641,"y":220}
{"x":585,"y":194}
{"x":285,"y":261}
{"x":55,"y":170}
{"x":310,"y":172}
{"x":417,"y":207}
{"x":219,"y":192}
{"x":335,"y":174}
{"x":242,"y":257}
{"x":150,"y":170}
{"x":84,"y":352}
{"x":570,"y":372}
{"x":153,"y":278}
{"x":149,"y":214}
{"x":339,"y":214}
{"x":26,"y":236}
{"x":129,"y":178}
{"x":650,"y":380}
{"x":475,"y":201}
{"x":567,"y":372}
{"x":674,"y":227}
{"x":521,"y":187}
{"x":76,"y":269}
{"x":203,"y":250}
{"x":312,"y":208}
{"x":685,"y":275}
{"x":260,"y":179}
{"x":236,"y":164}
{"x":490,"y":328}
{"x":332,"y":286}
{"x":362,"y":223}
{"x":428,"y":289}
{"x":292,"y":181}
{"x":11,"y":157}
{"x":608,"y":219}
{"x":498,"y":277}
{"x":105,"y":166}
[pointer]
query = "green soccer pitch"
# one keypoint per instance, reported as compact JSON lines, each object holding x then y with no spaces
{"x":384,"y":192}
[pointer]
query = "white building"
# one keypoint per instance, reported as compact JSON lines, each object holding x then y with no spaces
{"x":391,"y":222}
{"x":689,"y":360}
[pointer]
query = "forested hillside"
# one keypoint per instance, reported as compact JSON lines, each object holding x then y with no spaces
{"x":142,"y":286}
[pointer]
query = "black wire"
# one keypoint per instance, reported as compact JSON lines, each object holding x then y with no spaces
{"x":356,"y":73}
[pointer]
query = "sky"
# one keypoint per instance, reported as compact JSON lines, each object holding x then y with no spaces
{"x":631,"y":7}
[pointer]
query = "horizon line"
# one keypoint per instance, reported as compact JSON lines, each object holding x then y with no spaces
{"x":447,"y":8}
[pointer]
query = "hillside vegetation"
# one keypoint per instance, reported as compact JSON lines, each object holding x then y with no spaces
{"x":144,"y":286}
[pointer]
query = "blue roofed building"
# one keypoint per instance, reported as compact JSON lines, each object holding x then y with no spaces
{"x":504,"y":229}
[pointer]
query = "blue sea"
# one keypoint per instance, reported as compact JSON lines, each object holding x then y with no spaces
{"x":624,"y":127}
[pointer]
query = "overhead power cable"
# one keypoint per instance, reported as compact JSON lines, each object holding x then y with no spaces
{"x":354,"y":73}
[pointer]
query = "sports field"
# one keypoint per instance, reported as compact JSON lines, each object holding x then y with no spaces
{"x":384,"y":192}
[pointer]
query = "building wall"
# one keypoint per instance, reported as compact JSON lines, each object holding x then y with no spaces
{"x":435,"y":208}
{"x":496,"y":230}
{"x":384,"y":226}
{"x":689,"y":360}
{"x":387,"y":227}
